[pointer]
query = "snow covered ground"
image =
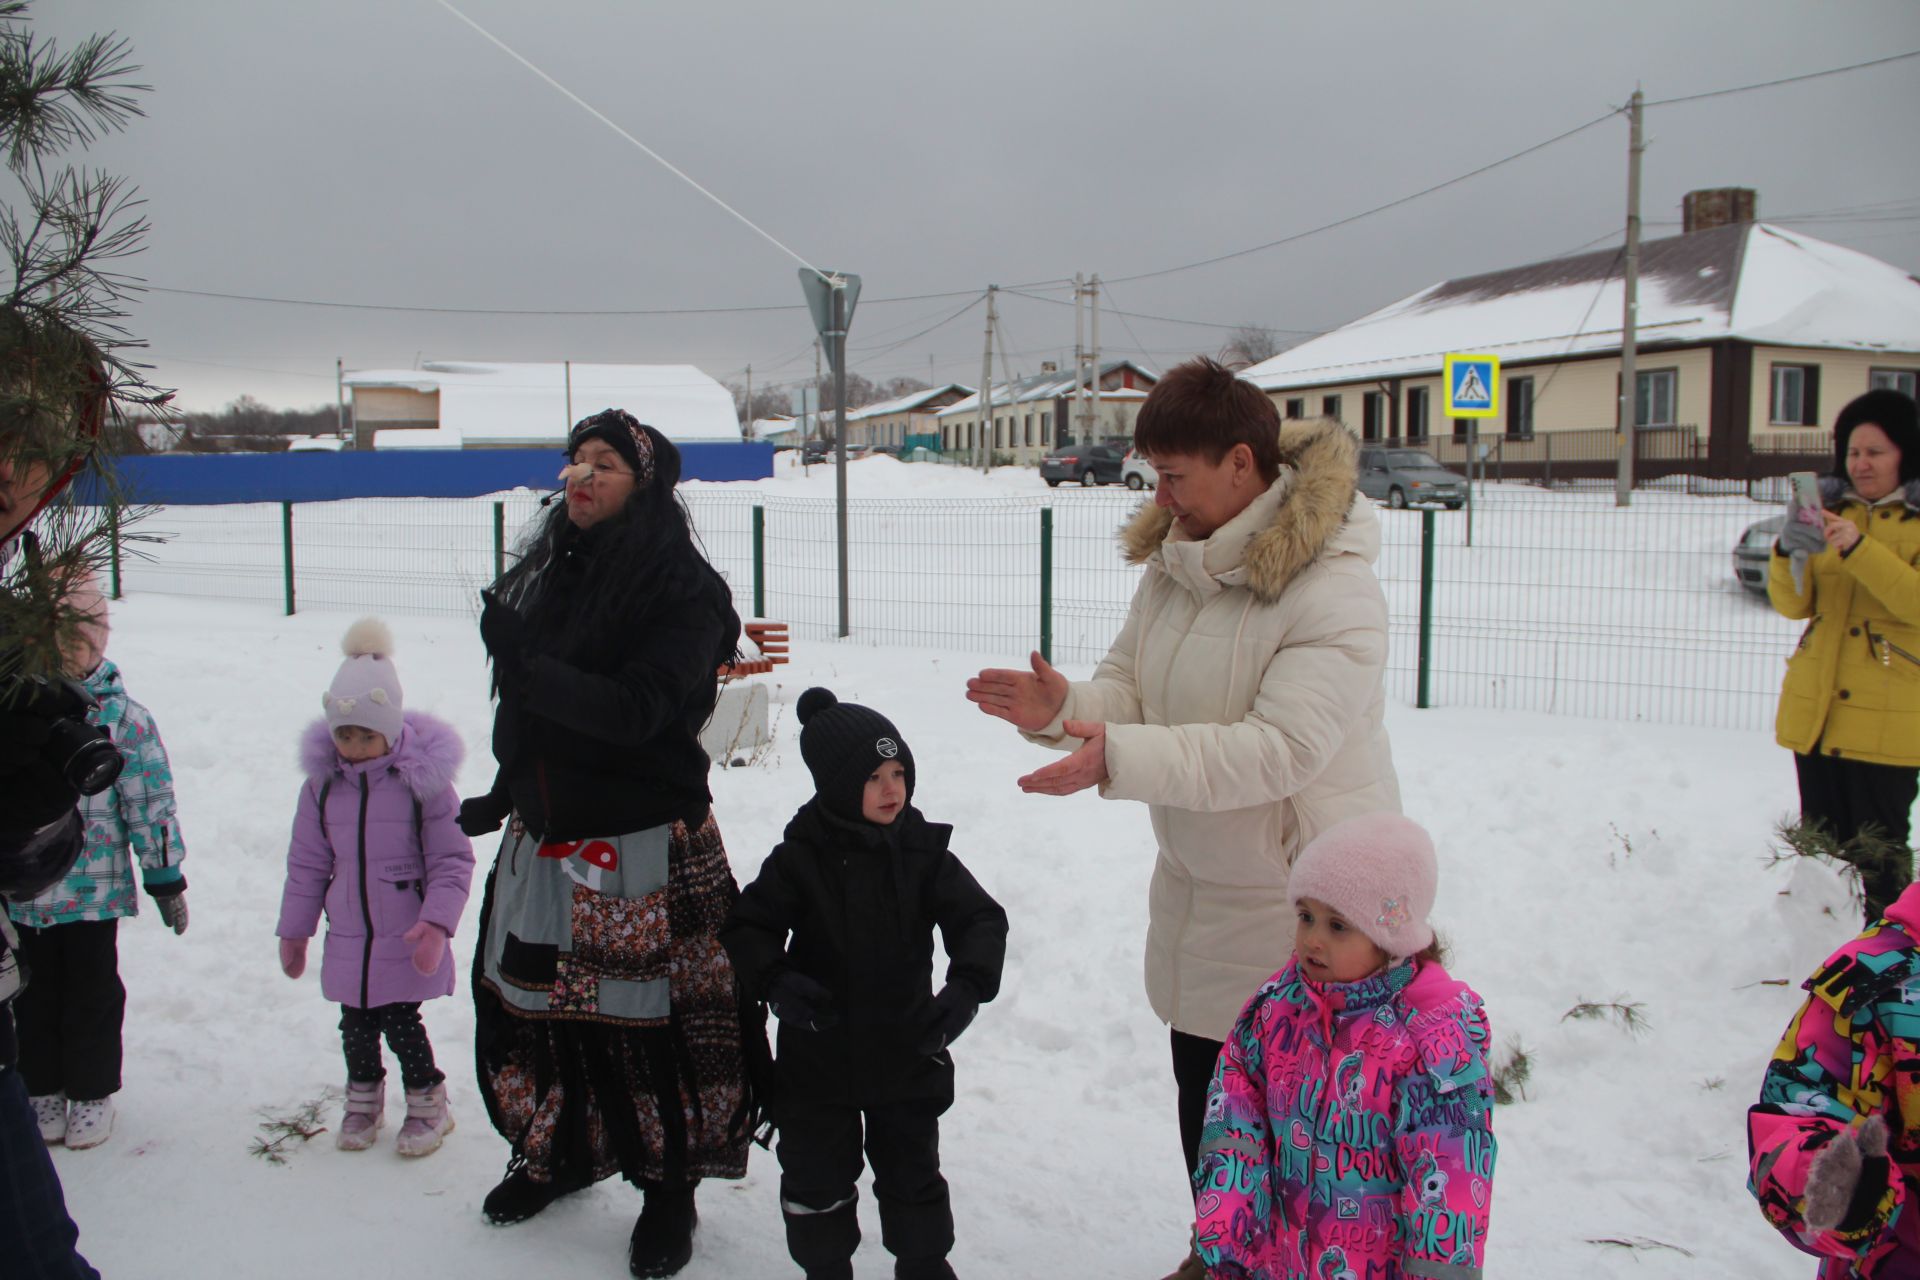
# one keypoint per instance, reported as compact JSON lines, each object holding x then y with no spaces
{"x":1581,"y":860}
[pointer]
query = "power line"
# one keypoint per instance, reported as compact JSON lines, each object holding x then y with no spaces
{"x":542,"y":311}
{"x":1379,"y":208}
{"x":895,"y":346}
{"x":1770,"y":84}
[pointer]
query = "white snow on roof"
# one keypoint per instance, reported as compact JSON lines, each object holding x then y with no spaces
{"x":1792,"y":290}
{"x":496,"y":403}
{"x":1049,"y":386}
{"x":901,"y":404}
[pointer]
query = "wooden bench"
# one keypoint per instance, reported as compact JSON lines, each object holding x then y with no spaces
{"x":771,"y":639}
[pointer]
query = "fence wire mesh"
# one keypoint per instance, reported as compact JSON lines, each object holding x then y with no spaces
{"x":1562,"y":602}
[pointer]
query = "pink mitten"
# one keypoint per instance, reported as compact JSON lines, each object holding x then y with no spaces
{"x":293,"y":956}
{"x":429,"y":945}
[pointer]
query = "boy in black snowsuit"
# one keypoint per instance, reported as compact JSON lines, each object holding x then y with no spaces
{"x":859,"y":881}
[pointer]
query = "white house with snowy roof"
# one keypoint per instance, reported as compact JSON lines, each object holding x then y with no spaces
{"x":904,"y":421}
{"x":455,"y":404}
{"x":1035,"y":414}
{"x":1750,"y":338}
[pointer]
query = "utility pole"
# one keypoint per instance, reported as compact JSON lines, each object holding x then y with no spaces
{"x":747,"y":432}
{"x":1079,"y":430}
{"x":932,"y":381}
{"x":1093,"y":412}
{"x":985,"y":446}
{"x":815,"y":424}
{"x":1629,"y":325}
{"x":568,"y":429}
{"x":340,"y":397}
{"x":839,"y":336}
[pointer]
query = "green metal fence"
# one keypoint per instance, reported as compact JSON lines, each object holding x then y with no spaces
{"x":1563,"y":602}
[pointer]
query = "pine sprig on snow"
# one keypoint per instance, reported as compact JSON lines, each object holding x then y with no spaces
{"x":1868,"y":853}
{"x":1630,"y":1015}
{"x":1511,"y":1073}
{"x":303,"y":1124}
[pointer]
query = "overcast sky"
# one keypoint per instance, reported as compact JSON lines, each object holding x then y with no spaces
{"x":382,"y":153}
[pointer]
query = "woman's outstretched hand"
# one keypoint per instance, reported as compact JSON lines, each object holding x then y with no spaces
{"x":1028,"y":700}
{"x":1086,"y":767}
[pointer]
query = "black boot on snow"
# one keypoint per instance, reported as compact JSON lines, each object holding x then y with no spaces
{"x":922,"y":1269}
{"x":663,"y":1234}
{"x":518,"y":1197}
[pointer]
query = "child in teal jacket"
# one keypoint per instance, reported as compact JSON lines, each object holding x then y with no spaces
{"x":71,"y":1011}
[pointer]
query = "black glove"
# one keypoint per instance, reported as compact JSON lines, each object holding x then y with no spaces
{"x":504,"y":632}
{"x":481,"y":814}
{"x":798,"y":999}
{"x":953,"y":1010}
{"x":171,"y":901}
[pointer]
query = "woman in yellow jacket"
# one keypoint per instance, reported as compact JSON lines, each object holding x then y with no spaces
{"x":1850,"y":705}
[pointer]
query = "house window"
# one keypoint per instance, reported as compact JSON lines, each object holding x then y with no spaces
{"x":1461,"y":426}
{"x":1658,"y":392}
{"x":1796,"y":396}
{"x":1901,"y":380}
{"x":1373,"y":414}
{"x":1027,"y":431}
{"x":1519,"y":408}
{"x":1297,"y":407}
{"x":1330,"y":407}
{"x":1417,"y":399}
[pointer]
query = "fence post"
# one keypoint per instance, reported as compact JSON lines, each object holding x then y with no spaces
{"x":286,"y":549}
{"x":759,"y":561}
{"x":499,"y":540}
{"x":113,"y":551}
{"x":1046,"y":583}
{"x":1424,"y":698}
{"x":1547,"y":482}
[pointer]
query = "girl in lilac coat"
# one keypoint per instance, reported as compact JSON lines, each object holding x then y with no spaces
{"x":1349,"y":1125}
{"x":376,"y":846}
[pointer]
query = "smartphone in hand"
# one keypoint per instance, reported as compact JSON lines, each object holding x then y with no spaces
{"x":1805,"y":487}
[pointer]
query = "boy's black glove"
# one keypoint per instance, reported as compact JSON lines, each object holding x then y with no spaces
{"x":796,"y":998}
{"x":504,"y":632}
{"x":481,"y":814}
{"x":953,"y":1010}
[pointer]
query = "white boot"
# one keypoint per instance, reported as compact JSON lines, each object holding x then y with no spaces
{"x":89,"y":1123}
{"x":428,"y":1121}
{"x":50,"y":1113}
{"x":366,"y":1112}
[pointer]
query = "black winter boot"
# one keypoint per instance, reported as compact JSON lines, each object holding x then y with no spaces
{"x":922,"y":1269}
{"x":663,"y":1234}
{"x":822,"y":1241}
{"x":518,"y":1197}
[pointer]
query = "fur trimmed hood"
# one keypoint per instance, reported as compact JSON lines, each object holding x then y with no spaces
{"x":1311,"y":504}
{"x":427,"y":757}
{"x":1834,"y":491}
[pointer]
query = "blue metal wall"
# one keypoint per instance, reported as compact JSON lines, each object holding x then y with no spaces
{"x":208,"y":479}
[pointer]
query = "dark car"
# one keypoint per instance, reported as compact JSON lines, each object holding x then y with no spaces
{"x":1400,"y":477}
{"x":1088,"y":464}
{"x":1754,"y":550}
{"x":816,"y":451}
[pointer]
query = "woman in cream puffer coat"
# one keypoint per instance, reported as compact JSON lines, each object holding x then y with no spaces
{"x":1243,"y":704}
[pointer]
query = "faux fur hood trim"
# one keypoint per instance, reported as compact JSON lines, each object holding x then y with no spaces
{"x":1834,"y":491}
{"x":427,"y":757}
{"x":1320,"y":458}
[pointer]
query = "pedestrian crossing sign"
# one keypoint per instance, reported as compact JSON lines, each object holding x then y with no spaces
{"x":1472,"y":386}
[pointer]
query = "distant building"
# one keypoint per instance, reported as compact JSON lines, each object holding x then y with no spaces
{"x":1034,"y":415}
{"x":780,"y":432}
{"x":1750,"y":338}
{"x":446,"y":404}
{"x":905,"y":421}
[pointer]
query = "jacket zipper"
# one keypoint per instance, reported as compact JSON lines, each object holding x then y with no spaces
{"x":366,"y":902}
{"x":1887,"y":649}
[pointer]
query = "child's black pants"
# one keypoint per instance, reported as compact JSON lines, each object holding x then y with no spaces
{"x":820,"y":1148}
{"x":360,"y":1032}
{"x":70,"y":1012}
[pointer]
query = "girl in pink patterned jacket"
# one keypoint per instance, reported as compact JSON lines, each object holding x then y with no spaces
{"x":1349,"y":1125}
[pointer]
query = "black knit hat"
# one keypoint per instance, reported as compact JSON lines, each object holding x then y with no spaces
{"x":1894,"y":413}
{"x":632,"y":439}
{"x":843,"y":743}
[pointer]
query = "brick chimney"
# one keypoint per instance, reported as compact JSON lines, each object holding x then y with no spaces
{"x":1718,"y":207}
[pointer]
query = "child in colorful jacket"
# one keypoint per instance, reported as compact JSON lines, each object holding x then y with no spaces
{"x":377,"y":847}
{"x":1831,"y":1159}
{"x":1349,"y":1125}
{"x":72,"y":1010}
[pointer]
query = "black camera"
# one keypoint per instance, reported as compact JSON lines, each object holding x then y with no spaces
{"x":79,"y":752}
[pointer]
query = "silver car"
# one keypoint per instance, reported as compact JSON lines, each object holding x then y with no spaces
{"x":1754,"y":550}
{"x":1401,"y":477}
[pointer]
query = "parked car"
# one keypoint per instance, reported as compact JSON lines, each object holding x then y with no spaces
{"x":1137,"y":472}
{"x":1089,"y":464}
{"x":1400,"y":477}
{"x":815,"y":451}
{"x":1755,"y":548}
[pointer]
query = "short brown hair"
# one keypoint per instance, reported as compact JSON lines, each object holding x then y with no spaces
{"x":1203,"y":407}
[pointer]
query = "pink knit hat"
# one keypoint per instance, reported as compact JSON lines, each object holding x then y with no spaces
{"x":1377,"y":870}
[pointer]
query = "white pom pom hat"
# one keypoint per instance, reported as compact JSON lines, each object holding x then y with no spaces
{"x":1378,"y":871}
{"x":365,"y":691}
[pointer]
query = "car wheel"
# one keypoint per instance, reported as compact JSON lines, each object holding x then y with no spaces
{"x":1135,"y":482}
{"x":1053,"y":484}
{"x":1455,"y":506}
{"x":1396,"y":498}
{"x":1088,"y":479}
